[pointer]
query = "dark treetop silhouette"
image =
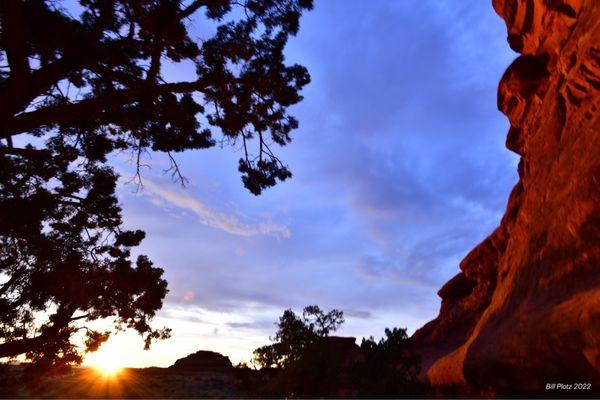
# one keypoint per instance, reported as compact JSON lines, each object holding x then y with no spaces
{"x":63,"y":253}
{"x":305,"y":361}
{"x":295,"y":333}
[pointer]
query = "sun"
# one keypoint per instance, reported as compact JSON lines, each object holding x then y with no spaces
{"x":105,"y":365}
{"x":107,"y":360}
{"x":108,"y":369}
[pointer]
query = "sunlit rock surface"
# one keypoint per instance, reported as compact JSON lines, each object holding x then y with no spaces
{"x":525,"y":310}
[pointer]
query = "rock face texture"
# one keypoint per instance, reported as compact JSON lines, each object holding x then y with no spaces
{"x":203,"y":361}
{"x":525,"y":310}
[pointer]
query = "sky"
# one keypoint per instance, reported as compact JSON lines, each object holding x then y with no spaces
{"x":399,"y":170}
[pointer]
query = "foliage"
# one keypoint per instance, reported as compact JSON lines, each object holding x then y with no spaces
{"x":389,"y":367}
{"x":304,"y":361}
{"x":299,"y":346}
{"x":295,"y":334}
{"x":79,"y":84}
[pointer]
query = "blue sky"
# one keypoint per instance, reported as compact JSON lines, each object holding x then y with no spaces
{"x":399,"y":170}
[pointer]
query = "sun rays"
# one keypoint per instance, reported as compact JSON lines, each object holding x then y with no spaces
{"x":107,"y":360}
{"x":108,"y":370}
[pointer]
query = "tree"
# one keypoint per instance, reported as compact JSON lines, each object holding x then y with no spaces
{"x":75,"y":89}
{"x":389,"y":368}
{"x":304,"y":363}
{"x":295,"y":334}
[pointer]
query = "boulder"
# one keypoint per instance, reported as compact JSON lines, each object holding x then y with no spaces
{"x":347,"y":348}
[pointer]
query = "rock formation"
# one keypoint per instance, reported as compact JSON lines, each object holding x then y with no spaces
{"x":525,"y":310}
{"x":203,"y":361}
{"x":346,"y":345}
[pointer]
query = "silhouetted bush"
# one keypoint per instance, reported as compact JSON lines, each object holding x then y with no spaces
{"x":304,"y":361}
{"x":389,"y":367}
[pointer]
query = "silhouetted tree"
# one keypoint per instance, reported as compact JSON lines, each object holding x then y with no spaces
{"x":295,"y":334}
{"x":389,"y":368}
{"x":303,"y":363}
{"x":78,"y":84}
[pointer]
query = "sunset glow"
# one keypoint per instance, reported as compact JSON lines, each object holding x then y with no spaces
{"x":107,"y":360}
{"x":108,"y":369}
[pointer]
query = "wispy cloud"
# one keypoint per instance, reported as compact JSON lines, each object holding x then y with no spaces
{"x":229,"y":223}
{"x":359,"y":314}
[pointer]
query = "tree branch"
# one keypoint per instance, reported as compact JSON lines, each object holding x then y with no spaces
{"x":88,"y":108}
{"x":26,"y":153}
{"x":13,"y":348}
{"x":16,"y":275}
{"x":192,"y":8}
{"x":18,"y":94}
{"x":175,"y":171}
{"x":59,"y":320}
{"x":79,"y":317}
{"x":11,"y":16}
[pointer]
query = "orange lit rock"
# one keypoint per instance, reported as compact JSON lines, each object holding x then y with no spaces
{"x":525,"y":310}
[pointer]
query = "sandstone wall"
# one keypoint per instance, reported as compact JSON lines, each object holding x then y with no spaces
{"x":525,"y":310}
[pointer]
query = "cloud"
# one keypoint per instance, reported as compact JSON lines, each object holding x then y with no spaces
{"x":260,"y":325}
{"x":209,"y":217}
{"x":358,"y":314}
{"x":375,"y":268}
{"x":414,"y":143}
{"x":172,"y":314}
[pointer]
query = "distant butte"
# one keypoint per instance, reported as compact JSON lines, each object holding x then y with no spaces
{"x":203,"y":361}
{"x":525,"y":310}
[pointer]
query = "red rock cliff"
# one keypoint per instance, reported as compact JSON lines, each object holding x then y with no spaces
{"x":525,"y":310}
